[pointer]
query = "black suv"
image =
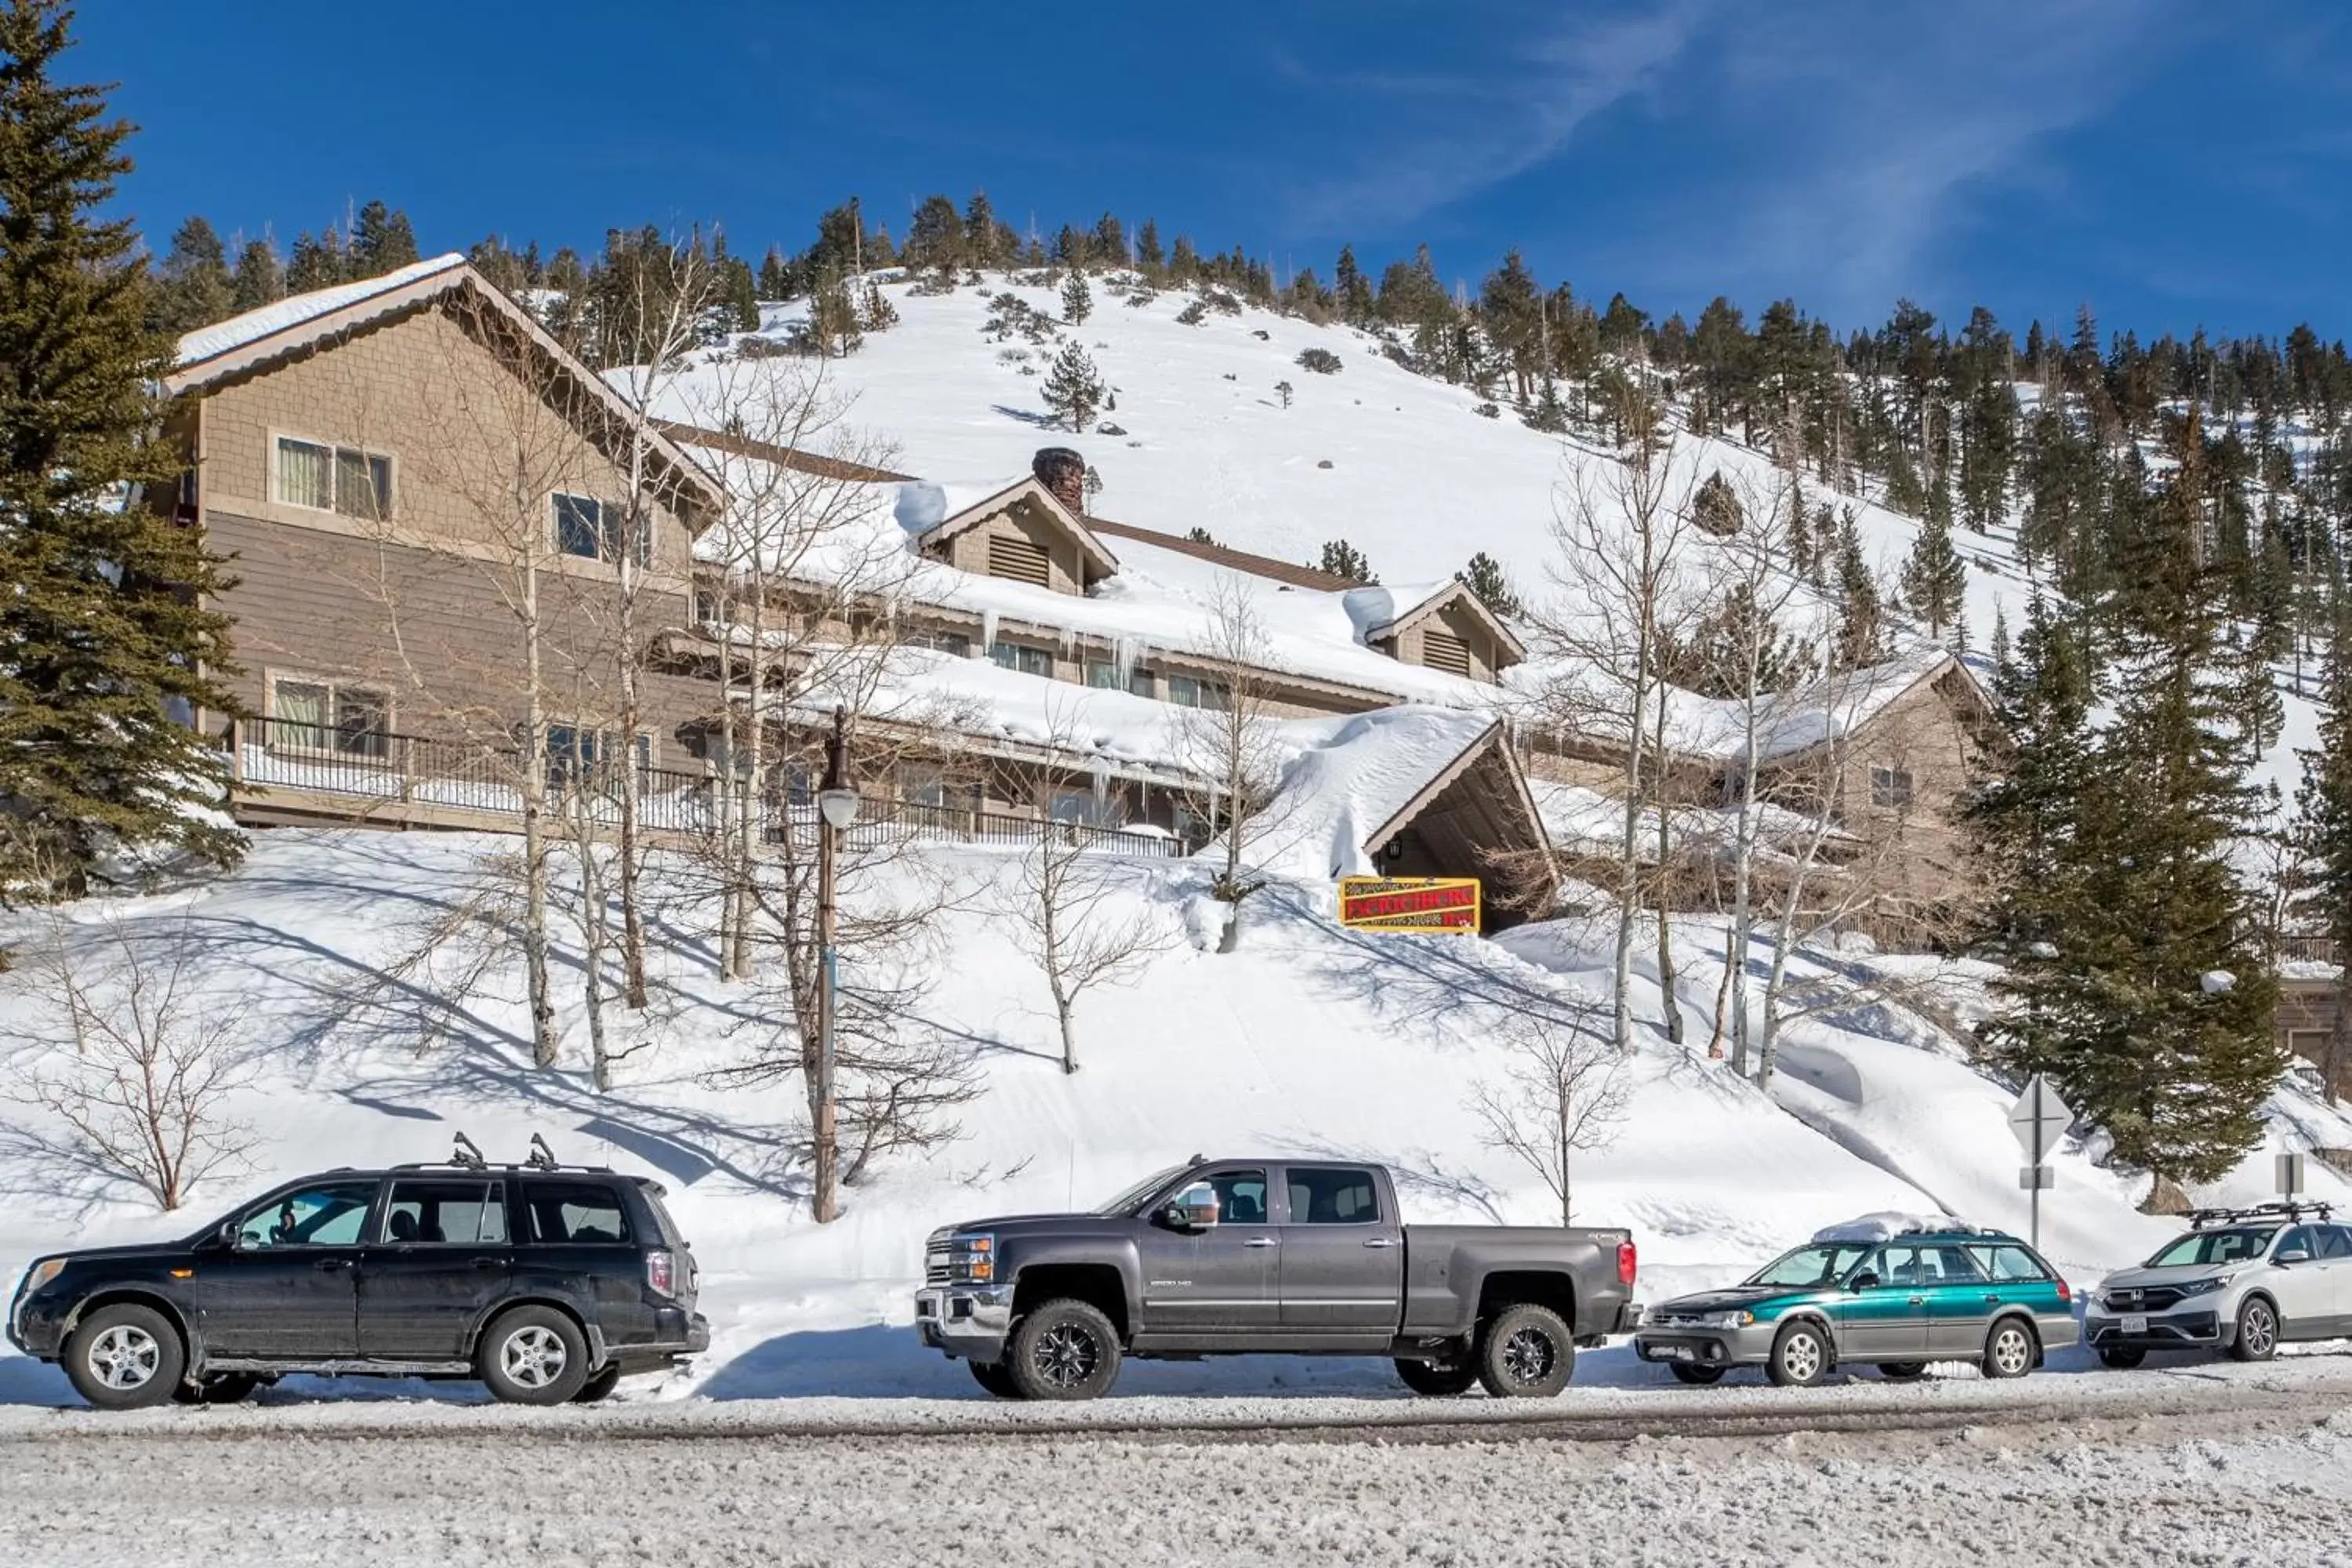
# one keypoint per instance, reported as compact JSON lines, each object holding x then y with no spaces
{"x":547,"y":1282}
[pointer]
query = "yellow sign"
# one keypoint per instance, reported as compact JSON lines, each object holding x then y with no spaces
{"x":1410,"y":903}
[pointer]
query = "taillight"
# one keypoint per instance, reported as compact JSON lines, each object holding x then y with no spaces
{"x":1626,"y":1261}
{"x":2065,"y":1291}
{"x":661,"y":1273}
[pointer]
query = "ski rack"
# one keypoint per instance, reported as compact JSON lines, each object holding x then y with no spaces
{"x":467,"y":1155}
{"x":2291,"y":1211}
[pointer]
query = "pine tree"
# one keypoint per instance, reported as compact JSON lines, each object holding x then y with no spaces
{"x":880,"y":315}
{"x":2322,"y":838}
{"x":195,"y":290}
{"x":775,"y":277}
{"x":2255,"y":707}
{"x":1354,"y":294}
{"x":1861,"y":636}
{"x":1934,"y":578}
{"x":381,"y":242}
{"x":741,"y":294}
{"x":258,"y":279}
{"x":107,"y":642}
{"x":1072,"y":390}
{"x":2024,"y":821}
{"x":1078,"y":299}
{"x":314,"y":263}
{"x":1484,"y":577}
{"x":1285,"y":390}
{"x":1149,"y":254}
{"x":1342,"y":559}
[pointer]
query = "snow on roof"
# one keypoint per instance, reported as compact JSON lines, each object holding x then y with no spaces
{"x":1584,"y":820}
{"x":1348,"y":776}
{"x":239,"y":332}
{"x":1887,"y":1224}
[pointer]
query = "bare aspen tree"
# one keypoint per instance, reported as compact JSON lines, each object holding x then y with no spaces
{"x":816,"y":580}
{"x":1618,"y":543}
{"x":1230,"y":746}
{"x":665,"y":299}
{"x":141,"y":1068}
{"x":1065,"y":913}
{"x":1561,"y":1093}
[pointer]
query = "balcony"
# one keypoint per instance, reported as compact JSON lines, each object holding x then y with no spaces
{"x":308,"y":774}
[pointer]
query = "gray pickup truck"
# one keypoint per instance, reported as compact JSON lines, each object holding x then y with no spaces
{"x":1298,"y":1257}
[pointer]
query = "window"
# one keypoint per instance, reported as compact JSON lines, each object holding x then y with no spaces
{"x":1021,"y":656}
{"x":1444,"y":650}
{"x":577,"y":754}
{"x":1241,"y":1196}
{"x":1333,"y":1196}
{"x":2335,"y":1241}
{"x":955,"y":643}
{"x":1104,"y":675}
{"x":706,"y":607}
{"x":334,"y":478}
{"x":330,"y":718}
{"x":330,"y":1214}
{"x":593,"y":530}
{"x":922,"y":783}
{"x":574,"y":1212}
{"x":1897,"y":1267}
{"x":1890,"y":788}
{"x":1191,"y":691}
{"x":455,"y":1214}
{"x":1085,"y":807}
{"x":1019,"y":559}
{"x":2298,"y":1239}
{"x":2004,"y":1264}
{"x":1950,"y":1266}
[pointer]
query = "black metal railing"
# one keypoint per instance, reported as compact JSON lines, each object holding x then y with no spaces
{"x":412,"y":777}
{"x":2307,"y":949}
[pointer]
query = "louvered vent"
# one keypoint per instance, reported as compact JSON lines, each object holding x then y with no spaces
{"x":1020,"y":561}
{"x":1444,"y":650}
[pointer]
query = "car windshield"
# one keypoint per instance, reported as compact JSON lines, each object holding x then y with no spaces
{"x":2234,"y":1244}
{"x":1129,"y":1198}
{"x":1820,"y":1265}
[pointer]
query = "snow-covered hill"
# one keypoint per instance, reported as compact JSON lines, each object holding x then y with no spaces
{"x":1310,"y":1039}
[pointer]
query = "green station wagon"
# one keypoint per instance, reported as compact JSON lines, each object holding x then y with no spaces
{"x":1856,"y":1293}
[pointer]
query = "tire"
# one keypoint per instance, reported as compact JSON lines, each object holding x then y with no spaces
{"x":220,"y":1388}
{"x":2011,"y":1349}
{"x":995,"y":1377}
{"x":2123,"y":1358}
{"x":2258,"y":1331}
{"x":533,"y":1355}
{"x":1694,"y":1374}
{"x":1438,"y":1379}
{"x":1902,"y":1371}
{"x":1800,"y":1356}
{"x":600,"y":1385}
{"x":125,"y":1357}
{"x":1064,"y":1349}
{"x":1525,"y":1352}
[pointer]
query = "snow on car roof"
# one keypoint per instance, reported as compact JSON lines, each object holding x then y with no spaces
{"x":1888,"y":1224}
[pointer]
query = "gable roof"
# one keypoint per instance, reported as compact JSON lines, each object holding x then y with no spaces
{"x":1376,"y":611}
{"x":1029,"y":489}
{"x":258,"y":338}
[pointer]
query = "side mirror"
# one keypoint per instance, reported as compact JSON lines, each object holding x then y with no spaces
{"x":1865,"y":1281}
{"x":2292,"y":1254}
{"x":1195,"y":1208}
{"x":224,"y":1239}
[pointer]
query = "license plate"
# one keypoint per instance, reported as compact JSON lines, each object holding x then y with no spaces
{"x":2136,"y":1325}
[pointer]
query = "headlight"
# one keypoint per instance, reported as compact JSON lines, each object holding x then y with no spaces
{"x":2201,"y":1287}
{"x":40,"y":1274}
{"x":1739,"y":1320}
{"x":971,"y":1260}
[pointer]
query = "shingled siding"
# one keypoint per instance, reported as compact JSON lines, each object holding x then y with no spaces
{"x":433,"y":632}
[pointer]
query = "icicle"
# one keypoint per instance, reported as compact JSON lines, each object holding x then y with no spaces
{"x":1102,"y":780}
{"x":1130,"y":654}
{"x":1069,"y":640}
{"x":987,"y":634}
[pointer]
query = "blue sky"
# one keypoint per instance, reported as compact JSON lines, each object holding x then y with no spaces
{"x":2169,"y":163}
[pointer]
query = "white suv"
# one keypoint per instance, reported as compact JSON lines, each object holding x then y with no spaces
{"x":2243,"y":1280}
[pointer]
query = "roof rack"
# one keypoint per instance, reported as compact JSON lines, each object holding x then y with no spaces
{"x":467,"y":1155}
{"x":2288,"y":1211}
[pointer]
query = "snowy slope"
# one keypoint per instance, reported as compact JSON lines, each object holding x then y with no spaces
{"x":1308,"y":1039}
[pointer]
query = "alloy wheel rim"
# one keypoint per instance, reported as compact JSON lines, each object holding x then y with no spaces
{"x":1067,"y":1355}
{"x":1528,"y":1356}
{"x":2260,"y":1331}
{"x":124,"y":1357}
{"x":533,"y":1357}
{"x":1802,"y":1357}
{"x":2008,"y":1349}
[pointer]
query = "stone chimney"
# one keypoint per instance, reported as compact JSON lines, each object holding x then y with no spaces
{"x":1062,"y":471}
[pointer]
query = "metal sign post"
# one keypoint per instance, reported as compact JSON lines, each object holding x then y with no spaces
{"x":2290,"y":1175}
{"x":2039,"y":1119}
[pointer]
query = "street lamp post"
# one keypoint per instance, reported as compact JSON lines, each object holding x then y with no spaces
{"x":836,"y":804}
